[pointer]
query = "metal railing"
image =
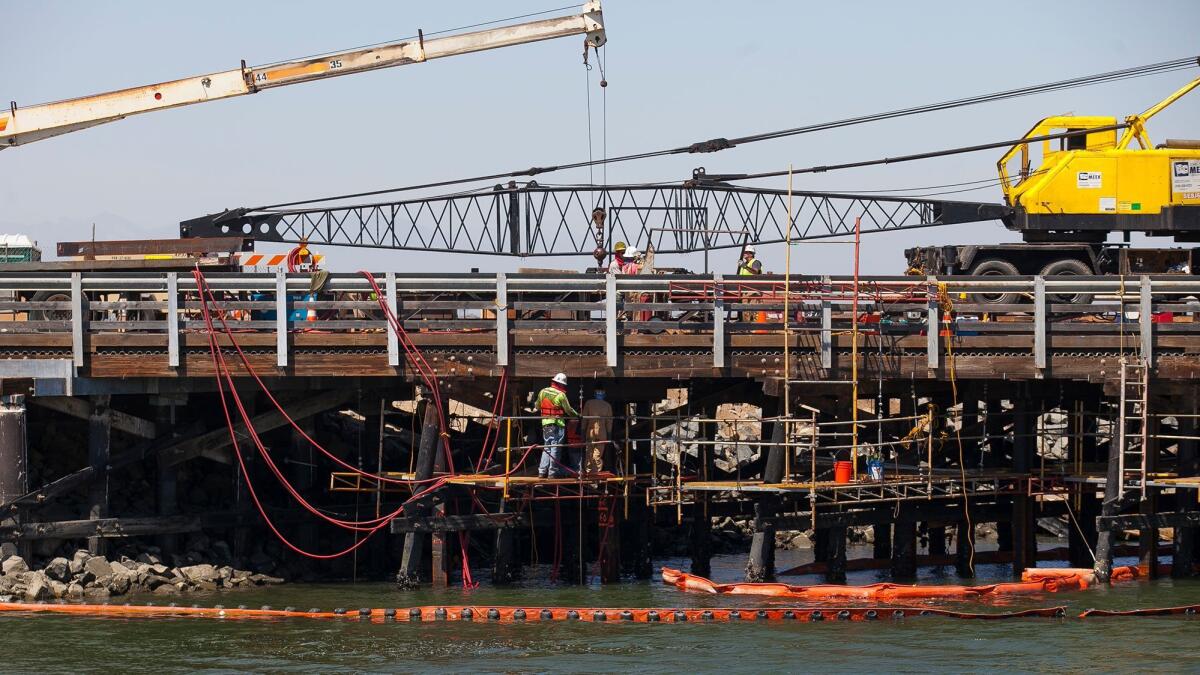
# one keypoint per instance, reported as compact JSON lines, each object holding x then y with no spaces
{"x":82,"y":304}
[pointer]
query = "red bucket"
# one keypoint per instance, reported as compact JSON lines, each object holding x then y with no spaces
{"x":842,"y":471}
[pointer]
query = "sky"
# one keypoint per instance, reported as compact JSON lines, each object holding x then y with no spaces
{"x":678,"y":72}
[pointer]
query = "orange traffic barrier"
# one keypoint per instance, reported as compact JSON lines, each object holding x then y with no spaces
{"x":1035,"y":581}
{"x":530,"y":614}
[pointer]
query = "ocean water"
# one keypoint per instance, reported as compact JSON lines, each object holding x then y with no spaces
{"x":69,"y":644}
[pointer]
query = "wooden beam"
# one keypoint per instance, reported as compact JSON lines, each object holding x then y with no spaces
{"x":106,"y":528}
{"x":212,"y":443}
{"x":484,"y":521}
{"x":82,"y":409}
{"x":1139,"y":521}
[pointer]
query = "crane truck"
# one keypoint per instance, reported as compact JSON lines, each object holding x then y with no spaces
{"x":1065,"y":198}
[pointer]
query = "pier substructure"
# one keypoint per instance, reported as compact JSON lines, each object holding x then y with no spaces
{"x":99,"y":445}
{"x":428,"y":447}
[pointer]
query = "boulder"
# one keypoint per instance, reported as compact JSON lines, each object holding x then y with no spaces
{"x":96,"y":568}
{"x":206,"y":585}
{"x":75,"y":592}
{"x":7,"y":550}
{"x":57,"y":588}
{"x":153,"y":581}
{"x":96,"y":592}
{"x":119,"y":584}
{"x":59,"y":569}
{"x":166,"y":589}
{"x":264,"y":579}
{"x":14,"y":564}
{"x":159,"y":569}
{"x":81,"y":556}
{"x":200,"y":573}
{"x":38,"y":588}
{"x":119,"y":567}
{"x":149,"y":559}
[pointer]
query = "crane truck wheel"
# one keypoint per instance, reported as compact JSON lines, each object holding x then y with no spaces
{"x":995,"y":268}
{"x":1068,"y":267}
{"x":50,"y":314}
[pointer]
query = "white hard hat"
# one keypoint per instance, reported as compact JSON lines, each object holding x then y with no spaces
{"x":631,"y":252}
{"x":561,"y":378}
{"x":749,"y":248}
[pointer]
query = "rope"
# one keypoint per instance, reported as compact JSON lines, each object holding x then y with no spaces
{"x":947,"y":307}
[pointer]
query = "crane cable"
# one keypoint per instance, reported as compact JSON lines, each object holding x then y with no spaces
{"x":721,"y":143}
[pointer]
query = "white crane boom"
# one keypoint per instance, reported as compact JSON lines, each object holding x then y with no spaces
{"x":19,"y":126}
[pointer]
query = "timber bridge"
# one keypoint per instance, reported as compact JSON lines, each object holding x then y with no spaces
{"x":1080,"y":400}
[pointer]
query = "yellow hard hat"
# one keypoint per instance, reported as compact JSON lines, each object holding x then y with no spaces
{"x":619,"y":247}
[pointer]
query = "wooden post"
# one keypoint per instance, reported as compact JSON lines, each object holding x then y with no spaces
{"x":1111,"y":506}
{"x":610,"y":540}
{"x":964,"y":540}
{"x":1080,"y":545}
{"x":1148,"y":536}
{"x":1184,"y":556}
{"x":99,"y":445}
{"x":14,"y":467}
{"x":761,"y":566}
{"x":1024,"y":515}
{"x":904,"y":545}
{"x":882,"y":546}
{"x":993,"y":423}
{"x":414,"y":542}
{"x":835,"y":538}
{"x":937,"y":540}
{"x":701,"y":532}
{"x":168,"y":499}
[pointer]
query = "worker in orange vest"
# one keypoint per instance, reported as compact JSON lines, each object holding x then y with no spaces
{"x":554,"y":407}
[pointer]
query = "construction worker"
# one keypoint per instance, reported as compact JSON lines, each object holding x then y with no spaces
{"x":749,"y":266}
{"x":619,"y":258}
{"x":597,"y":429}
{"x":554,"y":406}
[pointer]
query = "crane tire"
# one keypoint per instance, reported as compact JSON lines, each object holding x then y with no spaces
{"x":1068,"y":267}
{"x":995,"y":267}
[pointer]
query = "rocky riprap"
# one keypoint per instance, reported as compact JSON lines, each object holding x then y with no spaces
{"x":88,"y":577}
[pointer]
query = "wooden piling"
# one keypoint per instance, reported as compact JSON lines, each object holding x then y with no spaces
{"x":964,"y":547}
{"x":904,"y":545}
{"x":761,"y":566}
{"x":414,"y":542}
{"x":1024,"y":521}
{"x":99,"y":447}
{"x":1184,"y":558}
{"x":14,"y":462}
{"x":835,"y":538}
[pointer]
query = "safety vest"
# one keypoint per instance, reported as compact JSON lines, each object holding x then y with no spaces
{"x":746,"y":269}
{"x":553,"y":404}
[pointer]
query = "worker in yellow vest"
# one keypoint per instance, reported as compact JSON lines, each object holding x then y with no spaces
{"x":749,"y":266}
{"x":554,"y":407}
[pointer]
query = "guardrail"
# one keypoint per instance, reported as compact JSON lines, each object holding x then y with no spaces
{"x":168,"y":303}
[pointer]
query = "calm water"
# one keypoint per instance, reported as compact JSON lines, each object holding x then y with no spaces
{"x":61,"y":644}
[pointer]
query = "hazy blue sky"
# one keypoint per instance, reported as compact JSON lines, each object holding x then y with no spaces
{"x":678,"y":72}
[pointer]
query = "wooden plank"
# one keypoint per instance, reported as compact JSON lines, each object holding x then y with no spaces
{"x":1140,"y":521}
{"x":106,"y":528}
{"x":82,"y":409}
{"x":489,"y":521}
